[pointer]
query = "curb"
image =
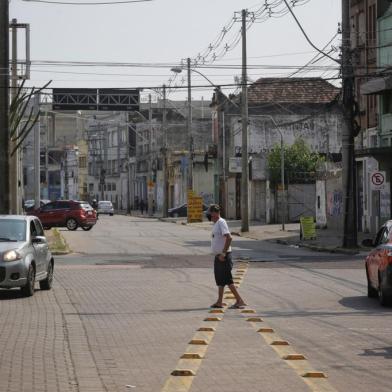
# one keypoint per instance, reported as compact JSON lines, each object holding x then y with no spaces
{"x":319,"y":248}
{"x":63,"y":243}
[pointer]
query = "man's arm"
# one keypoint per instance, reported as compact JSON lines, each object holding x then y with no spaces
{"x":228,"y":239}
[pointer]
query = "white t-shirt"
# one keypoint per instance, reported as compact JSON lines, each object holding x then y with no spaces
{"x":218,"y":239}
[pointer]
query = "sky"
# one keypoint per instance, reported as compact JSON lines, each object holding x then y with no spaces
{"x":158,"y":34}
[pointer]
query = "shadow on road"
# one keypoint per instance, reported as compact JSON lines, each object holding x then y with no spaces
{"x":364,"y":303}
{"x":385,"y":352}
{"x":10,"y":294}
{"x":185,"y":310}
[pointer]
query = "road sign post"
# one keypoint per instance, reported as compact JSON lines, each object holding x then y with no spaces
{"x":377,"y":180}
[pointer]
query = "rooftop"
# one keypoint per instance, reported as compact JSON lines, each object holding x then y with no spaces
{"x":292,"y":90}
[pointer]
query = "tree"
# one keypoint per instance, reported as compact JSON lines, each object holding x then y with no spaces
{"x":19,"y":108}
{"x":300,"y":163}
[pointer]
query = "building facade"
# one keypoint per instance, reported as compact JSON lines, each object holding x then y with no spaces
{"x":288,"y":108}
{"x":371,"y":38}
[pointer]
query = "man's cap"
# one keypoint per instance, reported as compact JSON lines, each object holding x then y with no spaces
{"x":214,"y":208}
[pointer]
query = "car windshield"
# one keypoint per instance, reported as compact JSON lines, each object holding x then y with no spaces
{"x":105,"y":203}
{"x":12,"y":230}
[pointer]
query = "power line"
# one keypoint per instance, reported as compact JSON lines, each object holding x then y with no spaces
{"x":86,"y":3}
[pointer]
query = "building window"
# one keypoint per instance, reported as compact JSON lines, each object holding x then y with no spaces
{"x":91,"y":187}
{"x":387,"y":102}
{"x":113,"y":187}
{"x":82,"y":162}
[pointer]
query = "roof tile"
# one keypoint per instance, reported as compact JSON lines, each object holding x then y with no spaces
{"x":292,"y":90}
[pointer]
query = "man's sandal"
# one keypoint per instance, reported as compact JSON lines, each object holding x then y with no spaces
{"x":216,"y":306}
{"x":237,"y":306}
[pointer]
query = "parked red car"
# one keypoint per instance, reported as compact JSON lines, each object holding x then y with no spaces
{"x":379,"y":265}
{"x":66,"y":213}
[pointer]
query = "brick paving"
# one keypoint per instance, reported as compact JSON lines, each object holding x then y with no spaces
{"x":102,"y":328}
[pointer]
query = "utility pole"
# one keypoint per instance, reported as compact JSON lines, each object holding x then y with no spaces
{"x":348,"y":155}
{"x":165,"y":206}
{"x":220,"y":151}
{"x":14,"y":160}
{"x":37,"y":155}
{"x":244,"y":123}
{"x":189,"y":128}
{"x":4,"y":107}
{"x":150,"y":186}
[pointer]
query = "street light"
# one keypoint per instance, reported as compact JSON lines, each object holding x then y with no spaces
{"x":189,"y":126}
{"x":189,"y":122}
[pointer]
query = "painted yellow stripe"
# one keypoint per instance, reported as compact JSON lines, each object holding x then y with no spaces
{"x":183,"y":375}
{"x":316,"y":381}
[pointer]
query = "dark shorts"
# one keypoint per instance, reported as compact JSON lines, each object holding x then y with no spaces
{"x":222,"y":270}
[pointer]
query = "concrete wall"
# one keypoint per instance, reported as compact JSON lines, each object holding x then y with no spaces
{"x":322,"y":132}
{"x":258,"y":200}
{"x":301,"y":201}
{"x":321,"y":204}
{"x":335,"y":202}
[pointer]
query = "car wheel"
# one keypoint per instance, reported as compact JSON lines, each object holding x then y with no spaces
{"x":46,"y":284}
{"x":111,"y":214}
{"x":72,"y":224}
{"x":382,"y":297}
{"x":28,"y":288}
{"x":371,"y":291}
{"x":87,"y":228}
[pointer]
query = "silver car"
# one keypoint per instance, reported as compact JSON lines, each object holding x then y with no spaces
{"x":105,"y":207}
{"x":24,"y":254}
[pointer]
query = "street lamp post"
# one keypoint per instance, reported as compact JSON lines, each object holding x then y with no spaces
{"x":189,"y":119}
{"x":189,"y":128}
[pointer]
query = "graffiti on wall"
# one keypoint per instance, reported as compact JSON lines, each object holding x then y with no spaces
{"x":335,"y":203}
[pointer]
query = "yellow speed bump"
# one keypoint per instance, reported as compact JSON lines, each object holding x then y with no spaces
{"x":216,"y":311}
{"x":248,"y":311}
{"x":213,"y":319}
{"x":280,"y":343}
{"x":191,"y":356}
{"x":314,"y":375}
{"x":230,"y":296}
{"x":207,"y":329}
{"x":294,"y":357}
{"x":266,"y":330}
{"x":199,"y":342}
{"x":254,"y":319}
{"x":182,"y":372}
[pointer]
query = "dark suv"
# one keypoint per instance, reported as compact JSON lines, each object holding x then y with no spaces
{"x":66,"y":213}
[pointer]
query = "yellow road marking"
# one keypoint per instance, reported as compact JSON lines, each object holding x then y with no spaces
{"x":316,"y":381}
{"x":182,"y":376}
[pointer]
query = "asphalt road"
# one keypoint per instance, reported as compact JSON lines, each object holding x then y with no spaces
{"x":127,"y":302}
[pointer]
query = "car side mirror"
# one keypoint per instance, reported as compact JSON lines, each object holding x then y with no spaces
{"x":38,"y":240}
{"x":368,"y":243}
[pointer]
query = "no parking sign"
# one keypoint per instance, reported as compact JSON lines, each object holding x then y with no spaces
{"x":377,"y":180}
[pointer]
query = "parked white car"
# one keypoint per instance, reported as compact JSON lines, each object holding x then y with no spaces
{"x":105,"y":207}
{"x":24,"y":254}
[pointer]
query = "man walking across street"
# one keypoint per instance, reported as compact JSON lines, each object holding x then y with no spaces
{"x":223,"y":264}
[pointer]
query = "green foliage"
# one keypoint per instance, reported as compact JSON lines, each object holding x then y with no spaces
{"x":300,"y":163}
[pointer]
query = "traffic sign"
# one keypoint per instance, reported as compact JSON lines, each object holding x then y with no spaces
{"x":377,"y":180}
{"x":195,"y":209}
